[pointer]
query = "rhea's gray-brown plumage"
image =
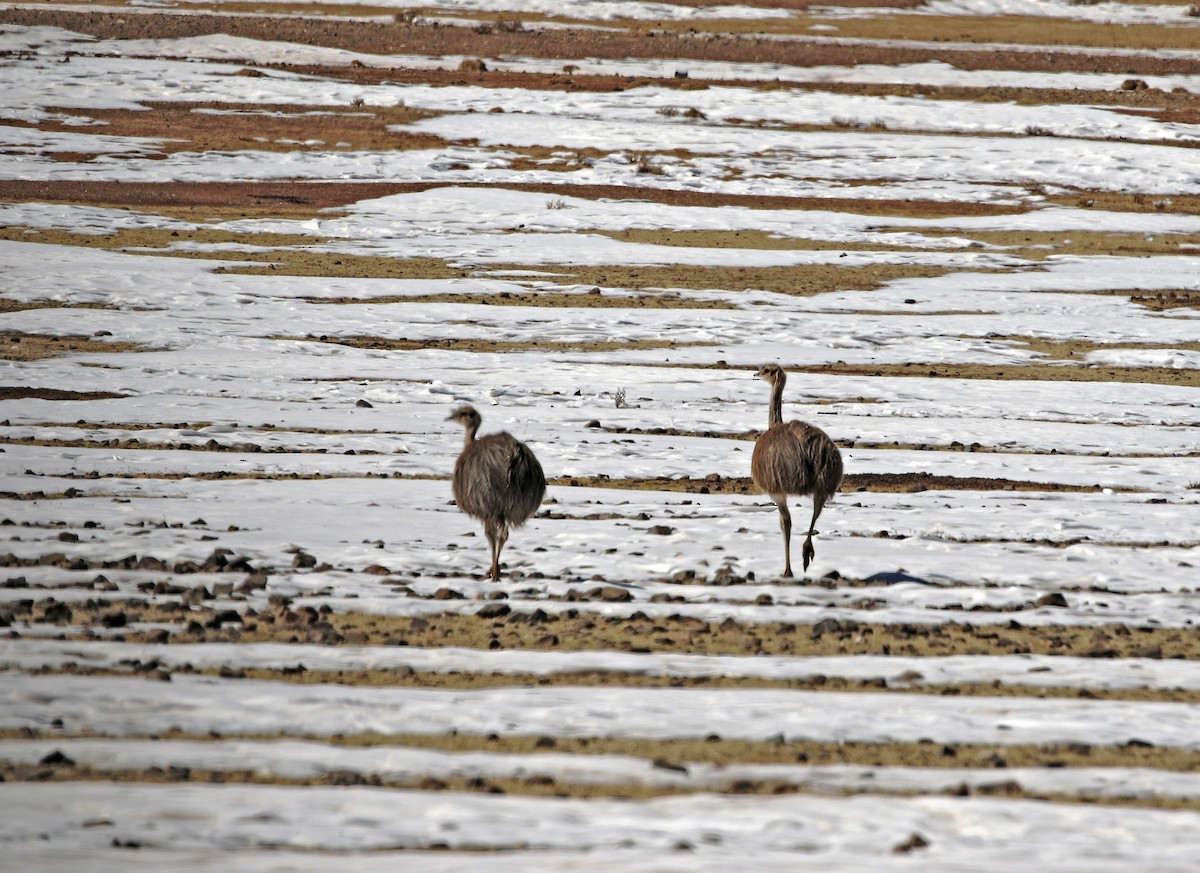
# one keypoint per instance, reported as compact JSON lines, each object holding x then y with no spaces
{"x":794,"y":457}
{"x":497,"y":479}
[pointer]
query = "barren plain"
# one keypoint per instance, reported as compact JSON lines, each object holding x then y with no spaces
{"x":255,"y":252}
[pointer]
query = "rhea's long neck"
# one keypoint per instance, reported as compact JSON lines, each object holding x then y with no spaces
{"x":471,"y":428}
{"x":776,"y":410}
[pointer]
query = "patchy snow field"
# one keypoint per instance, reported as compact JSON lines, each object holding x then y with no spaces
{"x":230,"y":549}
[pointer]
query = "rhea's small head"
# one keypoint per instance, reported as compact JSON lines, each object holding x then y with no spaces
{"x":772,"y":373}
{"x":466,"y":416}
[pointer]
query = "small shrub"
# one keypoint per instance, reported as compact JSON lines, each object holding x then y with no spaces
{"x":645,"y":165}
{"x":1038,"y":130}
{"x":619,"y":400}
{"x":672,"y":112}
{"x":556,"y":203}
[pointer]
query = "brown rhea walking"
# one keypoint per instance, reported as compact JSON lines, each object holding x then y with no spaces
{"x":794,"y":457}
{"x":497,"y":479}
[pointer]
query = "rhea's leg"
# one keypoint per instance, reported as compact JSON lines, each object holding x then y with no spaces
{"x":494,"y":542}
{"x":501,"y":539}
{"x":785,"y":524}
{"x":809,"y":551}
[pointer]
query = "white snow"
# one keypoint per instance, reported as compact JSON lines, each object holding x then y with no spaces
{"x":707,"y":832}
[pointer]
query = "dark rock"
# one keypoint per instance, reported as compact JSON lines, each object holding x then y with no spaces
{"x":1052,"y":599}
{"x":220,"y":618}
{"x":826,"y":626}
{"x":255,"y":581}
{"x":323,"y":634}
{"x":57,"y":613}
{"x":726,"y":575}
{"x":1009,"y":787}
{"x":915,"y":841}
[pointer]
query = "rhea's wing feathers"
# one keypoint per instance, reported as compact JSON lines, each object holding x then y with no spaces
{"x":526,"y":483}
{"x":825,"y":458}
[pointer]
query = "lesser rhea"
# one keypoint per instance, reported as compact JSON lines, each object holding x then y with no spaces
{"x":794,"y":457}
{"x":497,"y":479}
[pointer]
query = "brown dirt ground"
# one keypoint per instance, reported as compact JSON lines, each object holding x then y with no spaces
{"x":17,"y":346}
{"x":1030,"y":372}
{"x":491,"y":346}
{"x":579,"y":629}
{"x":299,"y":675}
{"x":289,"y":199}
{"x":660,"y":755}
{"x":23,"y":392}
{"x":594,"y":299}
{"x":175,"y":127}
{"x":682,"y":41}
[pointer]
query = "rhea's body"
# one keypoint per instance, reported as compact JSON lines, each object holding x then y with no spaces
{"x":498,"y":480}
{"x":797,"y":458}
